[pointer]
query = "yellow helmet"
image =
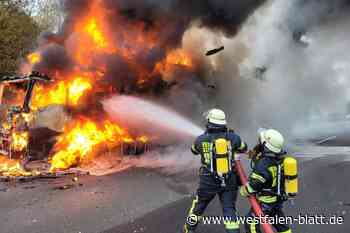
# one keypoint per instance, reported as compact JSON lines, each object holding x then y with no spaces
{"x":216,"y":116}
{"x":272,"y":139}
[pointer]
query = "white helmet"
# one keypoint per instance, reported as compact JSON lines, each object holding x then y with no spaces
{"x":216,"y":116}
{"x":273,"y":139}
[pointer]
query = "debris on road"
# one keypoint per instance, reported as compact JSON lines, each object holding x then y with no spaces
{"x":45,"y":175}
{"x":64,"y":187}
{"x":29,"y":187}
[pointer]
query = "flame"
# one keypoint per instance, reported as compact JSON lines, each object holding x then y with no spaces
{"x":77,"y":88}
{"x":28,"y":117}
{"x":11,"y":167}
{"x":143,"y":139}
{"x":63,"y":92}
{"x":93,"y":30}
{"x":128,"y":140}
{"x":19,"y":141}
{"x":34,"y":58}
{"x":81,"y":142}
{"x":178,"y":57}
{"x":94,"y":37}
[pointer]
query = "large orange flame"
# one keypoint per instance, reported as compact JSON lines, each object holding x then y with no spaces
{"x":93,"y":36}
{"x":81,"y":142}
{"x":66,"y":92}
{"x":97,"y":36}
{"x":11,"y":167}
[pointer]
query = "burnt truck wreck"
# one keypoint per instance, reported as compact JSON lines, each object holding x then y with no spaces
{"x":15,"y":131}
{"x":25,"y":142}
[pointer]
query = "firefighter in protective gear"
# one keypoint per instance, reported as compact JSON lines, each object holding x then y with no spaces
{"x":265,"y":179}
{"x":217,"y":148}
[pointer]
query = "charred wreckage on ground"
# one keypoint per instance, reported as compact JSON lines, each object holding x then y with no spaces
{"x":25,"y":150}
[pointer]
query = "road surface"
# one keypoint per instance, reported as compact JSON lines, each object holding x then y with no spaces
{"x":147,"y":200}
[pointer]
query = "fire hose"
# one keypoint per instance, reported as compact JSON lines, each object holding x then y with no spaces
{"x":252,"y":200}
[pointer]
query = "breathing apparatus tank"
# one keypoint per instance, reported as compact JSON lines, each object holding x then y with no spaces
{"x":290,"y":167}
{"x":222,"y":156}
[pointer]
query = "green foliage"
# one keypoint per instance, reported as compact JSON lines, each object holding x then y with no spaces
{"x":18,"y":34}
{"x":49,"y":14}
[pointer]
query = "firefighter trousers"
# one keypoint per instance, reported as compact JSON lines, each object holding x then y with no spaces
{"x":209,"y":187}
{"x":271,"y":210}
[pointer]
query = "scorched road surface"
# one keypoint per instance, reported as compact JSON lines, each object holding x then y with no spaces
{"x":148,"y":201}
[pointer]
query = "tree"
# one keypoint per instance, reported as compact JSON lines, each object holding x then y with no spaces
{"x":48,"y":14}
{"x":18,"y":34}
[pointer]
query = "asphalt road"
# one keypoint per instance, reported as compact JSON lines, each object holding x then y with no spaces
{"x":92,"y":205}
{"x":324,"y":191}
{"x":140,"y":200}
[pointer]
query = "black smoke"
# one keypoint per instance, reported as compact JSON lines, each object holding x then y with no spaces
{"x":220,"y":15}
{"x":167,"y":20}
{"x":170,"y":17}
{"x":176,"y":16}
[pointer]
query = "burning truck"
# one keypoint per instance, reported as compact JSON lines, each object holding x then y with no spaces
{"x":83,"y":66}
{"x":21,"y":140}
{"x":14,"y":131}
{"x":112,"y":48}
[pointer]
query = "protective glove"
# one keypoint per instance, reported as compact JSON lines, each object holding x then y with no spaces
{"x":252,"y":154}
{"x":243,"y":191}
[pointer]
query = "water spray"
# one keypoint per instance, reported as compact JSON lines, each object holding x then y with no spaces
{"x":151,"y":118}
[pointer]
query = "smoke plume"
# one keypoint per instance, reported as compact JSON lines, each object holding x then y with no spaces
{"x":284,"y":61}
{"x":285,"y":67}
{"x":141,"y":34}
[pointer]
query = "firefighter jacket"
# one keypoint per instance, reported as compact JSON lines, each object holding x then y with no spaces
{"x":204,"y":142}
{"x":264,"y":179}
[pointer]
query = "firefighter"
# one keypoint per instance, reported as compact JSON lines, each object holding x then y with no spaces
{"x":265,"y":180}
{"x":217,"y":147}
